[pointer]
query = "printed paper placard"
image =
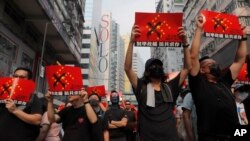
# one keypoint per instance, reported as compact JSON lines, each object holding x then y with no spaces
{"x":158,"y":29}
{"x":100,"y":90}
{"x":64,"y":80}
{"x":19,"y":90}
{"x":221,"y":25}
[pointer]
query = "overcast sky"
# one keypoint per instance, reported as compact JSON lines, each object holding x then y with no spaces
{"x":123,"y":12}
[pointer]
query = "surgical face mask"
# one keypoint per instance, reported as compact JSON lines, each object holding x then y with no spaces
{"x":114,"y":100}
{"x":243,"y":95}
{"x":156,"y":72}
{"x":215,"y":70}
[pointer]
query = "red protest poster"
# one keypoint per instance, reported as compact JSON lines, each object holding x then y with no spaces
{"x":64,"y":80}
{"x":158,"y":29}
{"x":100,"y":90}
{"x":243,"y":75}
{"x":221,"y":25}
{"x":17,"y":89}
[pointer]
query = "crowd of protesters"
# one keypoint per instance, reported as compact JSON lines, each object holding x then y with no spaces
{"x":207,"y":109}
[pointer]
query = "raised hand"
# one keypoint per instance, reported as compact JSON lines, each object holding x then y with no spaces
{"x":183,"y":35}
{"x":135,"y":33}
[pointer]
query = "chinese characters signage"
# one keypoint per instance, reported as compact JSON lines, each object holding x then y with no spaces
{"x":64,"y":80}
{"x":220,"y":25}
{"x":19,"y":90}
{"x":158,"y":29}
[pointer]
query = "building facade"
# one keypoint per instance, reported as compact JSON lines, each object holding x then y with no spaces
{"x":37,"y":33}
{"x":172,"y":58}
{"x":222,"y":50}
{"x":90,"y":43}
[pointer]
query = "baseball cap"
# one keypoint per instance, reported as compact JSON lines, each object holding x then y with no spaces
{"x":152,"y":61}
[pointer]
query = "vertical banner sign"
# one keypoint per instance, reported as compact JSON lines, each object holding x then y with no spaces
{"x":220,"y":25}
{"x":158,"y":29}
{"x":100,"y":90}
{"x":19,"y":90}
{"x":64,"y":80}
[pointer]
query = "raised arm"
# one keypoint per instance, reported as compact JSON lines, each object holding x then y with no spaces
{"x":195,"y":47}
{"x":128,"y":60}
{"x":50,"y":109}
{"x":240,"y":55}
{"x":187,"y":58}
{"x":89,"y":110}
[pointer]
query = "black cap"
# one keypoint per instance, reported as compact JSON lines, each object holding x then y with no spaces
{"x":152,"y":61}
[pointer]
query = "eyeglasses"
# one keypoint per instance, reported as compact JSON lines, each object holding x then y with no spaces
{"x":19,"y":76}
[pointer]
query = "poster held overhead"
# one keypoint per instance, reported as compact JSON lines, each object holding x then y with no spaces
{"x":221,"y":25}
{"x":158,"y":29}
{"x":64,"y":80}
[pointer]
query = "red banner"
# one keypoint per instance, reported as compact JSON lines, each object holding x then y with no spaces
{"x":243,"y":75}
{"x":158,"y":29}
{"x":19,"y":90}
{"x":64,"y":80}
{"x":100,"y":90}
{"x":220,"y":25}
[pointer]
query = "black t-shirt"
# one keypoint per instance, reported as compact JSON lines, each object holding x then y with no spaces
{"x":75,"y":123}
{"x":215,"y":104}
{"x":131,"y":120}
{"x":100,"y":126}
{"x":157,"y":123}
{"x":14,"y":129}
{"x":116,"y":114}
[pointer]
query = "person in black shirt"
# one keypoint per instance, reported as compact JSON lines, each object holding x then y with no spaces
{"x":210,"y":88}
{"x":100,"y":129}
{"x":117,"y":119}
{"x":19,"y":123}
{"x":130,"y":129}
{"x":76,"y":119}
{"x":156,"y":97}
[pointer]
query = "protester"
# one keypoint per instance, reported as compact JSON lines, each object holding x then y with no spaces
{"x":241,"y":93}
{"x":130,"y":129}
{"x":100,"y":129}
{"x":18,"y":123}
{"x":117,"y":119}
{"x":48,"y":131}
{"x":210,"y":88}
{"x":155,"y":97}
{"x":189,"y":117}
{"x":76,"y":119}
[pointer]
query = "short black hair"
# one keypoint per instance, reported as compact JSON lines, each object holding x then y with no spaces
{"x":30,"y":75}
{"x":204,"y":58}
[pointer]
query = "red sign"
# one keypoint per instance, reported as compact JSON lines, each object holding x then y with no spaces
{"x":100,"y":90}
{"x":64,"y":80}
{"x":243,"y":75}
{"x":220,"y":25}
{"x":19,"y":90}
{"x":159,"y":29}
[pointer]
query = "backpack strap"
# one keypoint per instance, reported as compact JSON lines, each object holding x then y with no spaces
{"x":167,"y":93}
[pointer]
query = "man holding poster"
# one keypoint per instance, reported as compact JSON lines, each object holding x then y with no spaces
{"x":211,"y":90}
{"x":155,"y":96}
{"x":20,"y":122}
{"x":76,"y":119}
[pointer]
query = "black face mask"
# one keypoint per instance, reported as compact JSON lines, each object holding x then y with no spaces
{"x":215,"y":70}
{"x":156,"y":72}
{"x":114,"y":100}
{"x":93,"y":102}
{"x":95,"y":105}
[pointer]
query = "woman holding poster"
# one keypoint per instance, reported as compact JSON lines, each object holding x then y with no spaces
{"x":155,"y":96}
